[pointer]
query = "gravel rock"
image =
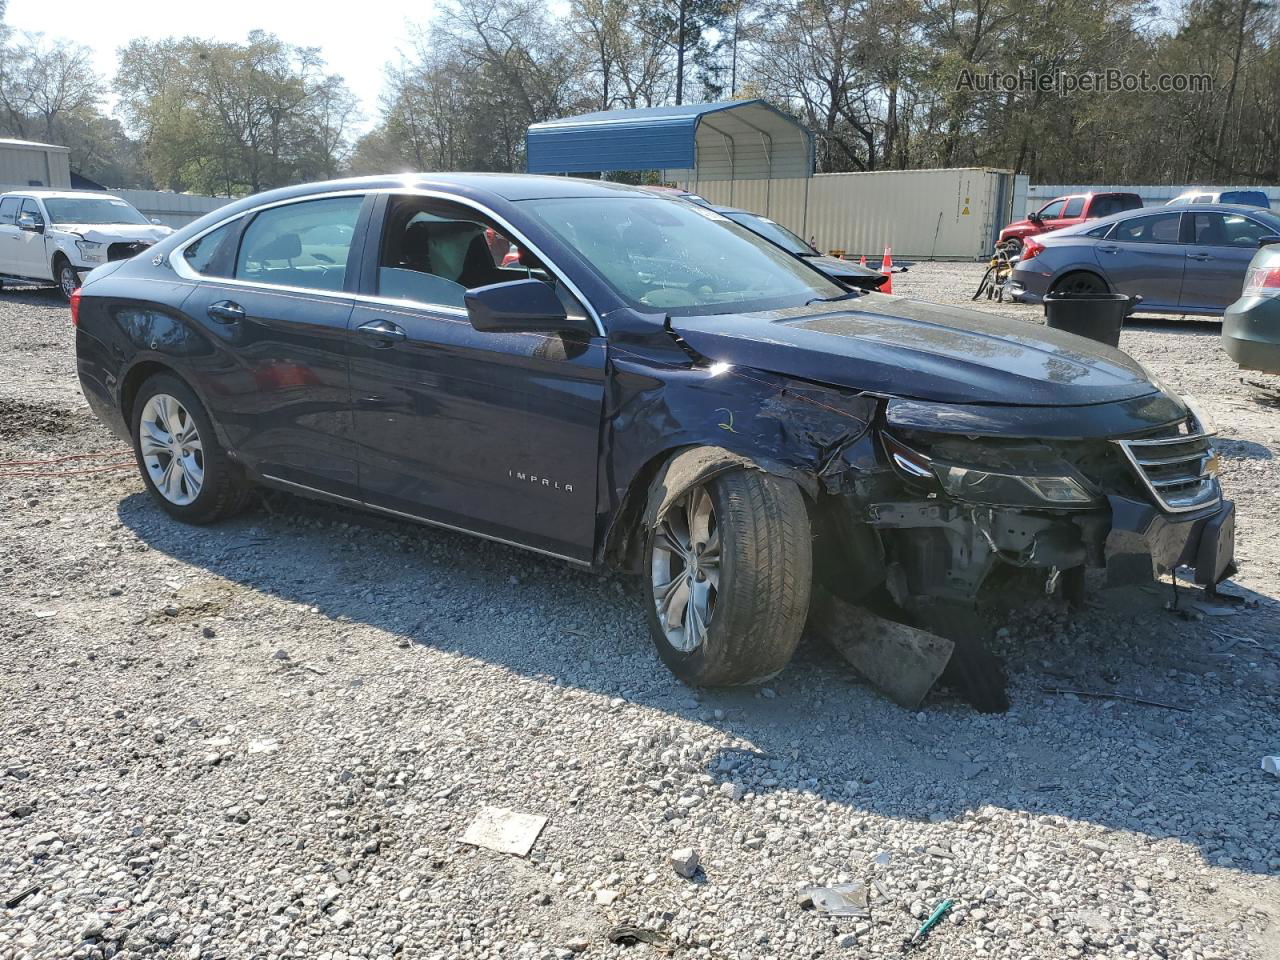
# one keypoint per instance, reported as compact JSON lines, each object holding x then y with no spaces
{"x":684,"y":862}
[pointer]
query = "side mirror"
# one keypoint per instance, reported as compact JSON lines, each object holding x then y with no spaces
{"x":1269,"y":239}
{"x":1034,"y":217}
{"x":518,"y":306}
{"x":29,"y":223}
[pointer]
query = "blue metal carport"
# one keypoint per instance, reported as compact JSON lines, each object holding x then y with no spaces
{"x":733,"y":140}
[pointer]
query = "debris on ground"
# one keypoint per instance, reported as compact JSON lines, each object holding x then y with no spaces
{"x":930,"y":922}
{"x":627,"y":936}
{"x":505,"y":831}
{"x":839,"y":900}
{"x":1271,"y":765}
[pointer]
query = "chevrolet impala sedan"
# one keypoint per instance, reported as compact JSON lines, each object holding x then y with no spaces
{"x":649,"y":387}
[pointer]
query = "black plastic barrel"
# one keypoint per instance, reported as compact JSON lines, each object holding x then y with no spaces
{"x":1098,"y":316}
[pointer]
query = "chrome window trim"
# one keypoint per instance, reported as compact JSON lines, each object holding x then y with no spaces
{"x":420,"y":519}
{"x":180,"y":266}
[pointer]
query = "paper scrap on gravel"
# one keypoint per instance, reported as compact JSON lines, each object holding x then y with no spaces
{"x":505,"y":831}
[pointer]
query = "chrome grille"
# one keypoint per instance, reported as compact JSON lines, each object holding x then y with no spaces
{"x":1179,"y":471}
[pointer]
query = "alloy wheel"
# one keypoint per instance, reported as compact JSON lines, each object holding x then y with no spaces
{"x":685,"y":569}
{"x":171,"y":449}
{"x":68,"y":281}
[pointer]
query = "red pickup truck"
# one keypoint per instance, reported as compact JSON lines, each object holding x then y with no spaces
{"x":1066,"y":211}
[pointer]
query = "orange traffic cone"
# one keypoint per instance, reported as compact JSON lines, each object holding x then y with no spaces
{"x":863,"y":261}
{"x":886,"y":267}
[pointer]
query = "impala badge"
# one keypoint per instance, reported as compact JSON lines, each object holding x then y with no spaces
{"x":525,"y":477}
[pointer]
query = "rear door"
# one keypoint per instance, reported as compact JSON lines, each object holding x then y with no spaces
{"x":1142,"y":256}
{"x":9,"y":207}
{"x":1072,"y":213}
{"x":493,"y":433}
{"x":274,"y":293}
{"x":1220,"y":246}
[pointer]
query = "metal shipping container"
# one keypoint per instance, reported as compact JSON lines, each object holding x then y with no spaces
{"x":25,"y":163}
{"x":952,"y":214}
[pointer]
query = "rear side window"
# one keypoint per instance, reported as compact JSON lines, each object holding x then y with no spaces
{"x":302,"y":244}
{"x":1158,"y":228}
{"x":9,"y":210}
{"x":210,"y":255}
{"x":1105,"y":206}
{"x":1075,"y":207}
{"x":1099,"y":232}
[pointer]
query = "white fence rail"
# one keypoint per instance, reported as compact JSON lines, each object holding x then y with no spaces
{"x":172,"y":209}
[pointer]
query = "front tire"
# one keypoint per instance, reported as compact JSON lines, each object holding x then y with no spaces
{"x":182,"y":464}
{"x":66,"y":276}
{"x":730,"y":567}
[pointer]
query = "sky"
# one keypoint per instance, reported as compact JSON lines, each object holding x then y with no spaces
{"x":354,"y":45}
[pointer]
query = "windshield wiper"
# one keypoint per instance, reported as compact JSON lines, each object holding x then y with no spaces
{"x":844,"y":296}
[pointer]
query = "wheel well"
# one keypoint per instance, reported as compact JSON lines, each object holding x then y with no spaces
{"x":1072,"y":273}
{"x":623,"y":545}
{"x":58,"y":258}
{"x":133,"y":382}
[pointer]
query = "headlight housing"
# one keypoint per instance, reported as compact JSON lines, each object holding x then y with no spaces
{"x":90,"y":249}
{"x":1062,"y":489}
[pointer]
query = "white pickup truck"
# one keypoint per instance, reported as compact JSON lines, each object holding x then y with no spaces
{"x":56,"y":236}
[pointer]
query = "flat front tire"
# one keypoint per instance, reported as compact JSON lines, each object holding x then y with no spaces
{"x":729,"y":567}
{"x":182,"y":464}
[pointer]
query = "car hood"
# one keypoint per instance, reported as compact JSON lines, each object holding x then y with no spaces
{"x":909,"y":348}
{"x":116,"y":232}
{"x":1021,"y":226}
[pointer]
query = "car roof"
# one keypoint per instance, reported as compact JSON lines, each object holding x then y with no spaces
{"x":1076,"y":229}
{"x":47,"y":192}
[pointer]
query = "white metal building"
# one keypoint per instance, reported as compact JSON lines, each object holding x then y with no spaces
{"x":26,"y":163}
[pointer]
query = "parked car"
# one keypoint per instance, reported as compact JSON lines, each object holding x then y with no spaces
{"x":1066,"y":212}
{"x":1244,"y":198}
{"x":1251,"y":325}
{"x":845,"y":272}
{"x":56,"y":236}
{"x":650,"y":389}
{"x":1188,"y":260}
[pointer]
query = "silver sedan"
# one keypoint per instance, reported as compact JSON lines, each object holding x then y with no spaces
{"x":1189,"y":260}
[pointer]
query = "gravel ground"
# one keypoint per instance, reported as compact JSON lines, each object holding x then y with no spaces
{"x":265,"y":739}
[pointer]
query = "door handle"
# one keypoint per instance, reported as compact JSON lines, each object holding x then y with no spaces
{"x":1108,"y":249}
{"x":226,"y":311}
{"x":1199,"y":256}
{"x":384,"y":333}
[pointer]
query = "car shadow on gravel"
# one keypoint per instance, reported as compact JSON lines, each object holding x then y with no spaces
{"x":1157,"y":771}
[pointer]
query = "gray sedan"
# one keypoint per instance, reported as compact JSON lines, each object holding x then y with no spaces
{"x":1191,"y":259}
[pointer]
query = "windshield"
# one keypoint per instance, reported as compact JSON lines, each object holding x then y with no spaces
{"x":680,"y":258}
{"x":92,"y":210}
{"x":776,"y":232}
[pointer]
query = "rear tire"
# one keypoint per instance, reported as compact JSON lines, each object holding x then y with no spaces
{"x":182,"y":464}
{"x":1080,"y":281}
{"x":744,"y":567}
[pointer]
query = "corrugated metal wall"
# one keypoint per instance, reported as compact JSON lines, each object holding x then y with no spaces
{"x":1153,"y":195}
{"x":34,"y":165}
{"x":943,"y":214}
{"x":172,"y":209}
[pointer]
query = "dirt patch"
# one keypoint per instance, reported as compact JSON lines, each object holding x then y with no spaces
{"x":21,"y":419}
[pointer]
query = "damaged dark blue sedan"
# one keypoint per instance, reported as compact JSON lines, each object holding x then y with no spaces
{"x":595,"y":373}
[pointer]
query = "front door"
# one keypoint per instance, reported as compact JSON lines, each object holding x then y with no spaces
{"x":493,"y":433}
{"x":1220,"y":246}
{"x":274,"y":291}
{"x":32,"y":261}
{"x":1143,"y":257}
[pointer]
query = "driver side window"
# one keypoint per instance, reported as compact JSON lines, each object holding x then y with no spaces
{"x":1052,"y":210}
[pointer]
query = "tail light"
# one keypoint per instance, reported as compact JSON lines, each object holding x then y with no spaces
{"x":1262,"y":282}
{"x":1031,"y":248}
{"x":75,"y":307}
